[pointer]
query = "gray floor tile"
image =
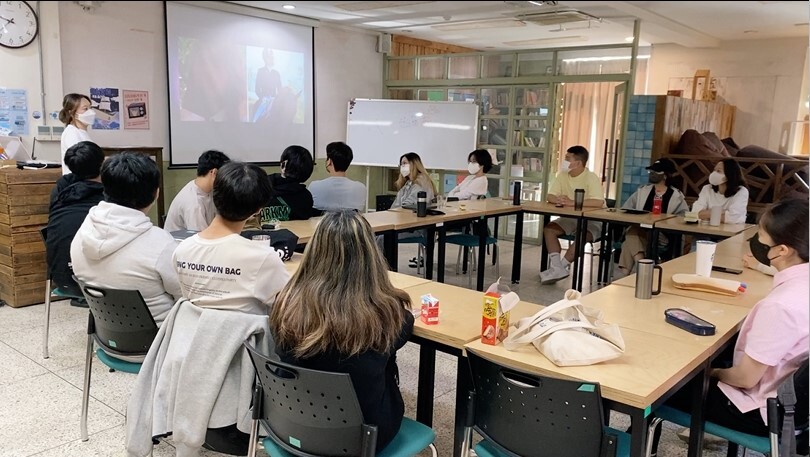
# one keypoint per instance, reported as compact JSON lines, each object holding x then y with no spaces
{"x":67,"y":342}
{"x":112,"y":389}
{"x":16,"y":366}
{"x":106,"y":443}
{"x":25,"y":318}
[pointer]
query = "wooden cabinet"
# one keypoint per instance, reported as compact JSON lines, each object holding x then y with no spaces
{"x":24,"y":199}
{"x":156,"y":153}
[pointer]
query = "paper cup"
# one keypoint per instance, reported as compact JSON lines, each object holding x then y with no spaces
{"x":262,"y":239}
{"x":704,"y":257}
{"x":717,"y":211}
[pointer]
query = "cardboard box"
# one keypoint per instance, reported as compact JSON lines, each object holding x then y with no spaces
{"x":430,"y":310}
{"x":498,"y":302}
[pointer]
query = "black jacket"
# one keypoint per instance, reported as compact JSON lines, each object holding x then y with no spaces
{"x":375,"y":378}
{"x":71,"y":200}
{"x":290,"y":200}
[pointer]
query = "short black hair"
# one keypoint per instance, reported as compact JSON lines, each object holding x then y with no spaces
{"x":579,"y":152}
{"x":130,"y":179}
{"x":84,"y":159}
{"x":340,"y":154}
{"x":483,"y":158}
{"x":240,"y":190}
{"x":786,"y":221}
{"x":210,"y":160}
{"x":734,"y":177}
{"x":299,"y":164}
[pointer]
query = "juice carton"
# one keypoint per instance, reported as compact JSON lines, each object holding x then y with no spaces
{"x":498,"y":302}
{"x":430,"y":309}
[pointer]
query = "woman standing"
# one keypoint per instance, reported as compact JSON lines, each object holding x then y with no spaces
{"x":77,"y":116}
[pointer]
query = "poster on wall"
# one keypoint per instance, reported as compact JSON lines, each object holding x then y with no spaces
{"x":106,"y":102}
{"x":136,"y":109}
{"x":13,"y":112}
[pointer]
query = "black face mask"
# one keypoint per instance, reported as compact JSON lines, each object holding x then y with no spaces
{"x":760,"y":250}
{"x":655,"y":178}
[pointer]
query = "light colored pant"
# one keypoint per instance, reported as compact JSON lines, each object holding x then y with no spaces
{"x":635,"y":241}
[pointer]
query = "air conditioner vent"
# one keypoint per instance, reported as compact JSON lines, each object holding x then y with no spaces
{"x":557,"y":17}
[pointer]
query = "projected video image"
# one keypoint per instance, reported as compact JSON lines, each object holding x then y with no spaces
{"x":275,"y":85}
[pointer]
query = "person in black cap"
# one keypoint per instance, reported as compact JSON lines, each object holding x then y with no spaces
{"x":672,"y":202}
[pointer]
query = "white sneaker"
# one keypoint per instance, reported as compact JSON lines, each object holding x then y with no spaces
{"x":553,"y":274}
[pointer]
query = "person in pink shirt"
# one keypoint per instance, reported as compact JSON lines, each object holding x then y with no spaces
{"x":773,"y":340}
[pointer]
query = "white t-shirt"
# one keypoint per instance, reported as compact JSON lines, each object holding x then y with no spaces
{"x":734,"y":207}
{"x":71,"y":136}
{"x":191,"y":209}
{"x":231,"y":273}
{"x":338,"y":192}
{"x":565,"y":184}
{"x":472,"y":187}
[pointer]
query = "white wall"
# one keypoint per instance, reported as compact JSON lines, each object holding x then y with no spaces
{"x":763,"y":79}
{"x":347,"y":66}
{"x":20,"y":69}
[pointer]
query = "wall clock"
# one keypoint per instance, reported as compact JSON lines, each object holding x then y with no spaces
{"x":18,"y":24}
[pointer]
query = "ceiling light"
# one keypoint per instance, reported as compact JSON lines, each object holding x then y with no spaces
{"x":629,"y":39}
{"x":484,"y":24}
{"x":544,"y":41}
{"x":750,"y":31}
{"x":288,"y":7}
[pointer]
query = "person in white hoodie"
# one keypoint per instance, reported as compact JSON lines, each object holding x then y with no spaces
{"x":117,"y":246}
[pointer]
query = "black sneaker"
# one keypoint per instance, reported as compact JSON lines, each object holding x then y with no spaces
{"x":412,"y":263}
{"x":79,"y":302}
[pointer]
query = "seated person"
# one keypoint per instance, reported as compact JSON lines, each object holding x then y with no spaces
{"x":117,"y":245}
{"x":343,"y":285}
{"x":573,"y":175}
{"x":290,"y":200}
{"x":250,"y":273}
{"x":75,"y":193}
{"x":774,"y":338}
{"x":479,"y":162}
{"x":726,"y":188}
{"x":192,"y":207}
{"x":413,"y":178}
{"x":337,"y":191}
{"x":750,"y":261}
{"x":634,"y":246}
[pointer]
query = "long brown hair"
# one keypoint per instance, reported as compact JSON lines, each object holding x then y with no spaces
{"x":417,"y":170}
{"x":340,"y":298}
{"x":70,"y":104}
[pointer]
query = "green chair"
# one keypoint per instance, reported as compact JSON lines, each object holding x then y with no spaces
{"x":791,"y":401}
{"x":309,"y":413}
{"x":122,"y":326}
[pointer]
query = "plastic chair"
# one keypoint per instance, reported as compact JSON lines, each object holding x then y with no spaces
{"x":510,"y":409}
{"x":468,"y":242}
{"x":791,"y":400}
{"x":122,"y":325}
{"x":312,"y":413}
{"x":49,"y":292}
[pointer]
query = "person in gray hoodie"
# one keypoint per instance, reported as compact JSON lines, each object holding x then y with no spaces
{"x":117,"y":246}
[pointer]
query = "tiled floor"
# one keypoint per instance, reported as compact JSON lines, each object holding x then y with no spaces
{"x":40,"y":399}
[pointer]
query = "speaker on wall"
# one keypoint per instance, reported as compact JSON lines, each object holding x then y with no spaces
{"x":384,"y":43}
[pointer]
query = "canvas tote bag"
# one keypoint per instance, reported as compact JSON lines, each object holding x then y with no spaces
{"x":568,"y":333}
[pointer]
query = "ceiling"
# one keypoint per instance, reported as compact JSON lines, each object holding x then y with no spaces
{"x":504,"y":25}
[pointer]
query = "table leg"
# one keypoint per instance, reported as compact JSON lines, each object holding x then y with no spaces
{"x":544,"y":250}
{"x":518,"y":248}
{"x":700,"y":389}
{"x":442,"y":247}
{"x":424,"y":395}
{"x":638,"y":437}
{"x":430,"y":236}
{"x":463,"y":386}
{"x":579,"y":251}
{"x":482,"y":252}
{"x":390,"y":248}
{"x":603,"y":252}
{"x":652,"y":244}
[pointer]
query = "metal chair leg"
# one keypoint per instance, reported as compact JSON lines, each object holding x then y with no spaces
{"x":88,"y":365}
{"x":420,"y":258}
{"x":254,"y":438}
{"x":458,"y":260}
{"x":650,"y":433}
{"x":496,"y":260}
{"x":46,"y":330}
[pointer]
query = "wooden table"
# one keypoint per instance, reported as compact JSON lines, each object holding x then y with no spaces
{"x":398,"y":280}
{"x":678,"y":224}
{"x":612,"y":215}
{"x":737,"y":245}
{"x":759,"y":284}
{"x":459,"y":323}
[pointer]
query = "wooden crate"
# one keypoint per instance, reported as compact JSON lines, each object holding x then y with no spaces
{"x":24,"y":199}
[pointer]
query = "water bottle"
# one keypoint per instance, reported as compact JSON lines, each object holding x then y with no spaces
{"x":657,"y":202}
{"x":421,"y":204}
{"x":516,"y":194}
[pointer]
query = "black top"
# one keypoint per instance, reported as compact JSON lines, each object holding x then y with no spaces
{"x":71,"y":200}
{"x":375,"y":377}
{"x":664,"y":200}
{"x":290,"y":200}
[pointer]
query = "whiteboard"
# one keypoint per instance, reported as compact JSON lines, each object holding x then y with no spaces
{"x":442,"y":133}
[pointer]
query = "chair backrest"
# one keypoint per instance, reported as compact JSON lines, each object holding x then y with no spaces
{"x":120,"y":319}
{"x":513,"y":409}
{"x":384,"y":202}
{"x":311,"y":412}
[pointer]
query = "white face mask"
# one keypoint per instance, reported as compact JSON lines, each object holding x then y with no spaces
{"x":565,"y":167}
{"x":405,"y":170}
{"x":87,"y":117}
{"x":717,"y":178}
{"x":473,"y":168}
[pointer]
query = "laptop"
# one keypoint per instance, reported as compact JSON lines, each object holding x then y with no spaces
{"x":14,"y":149}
